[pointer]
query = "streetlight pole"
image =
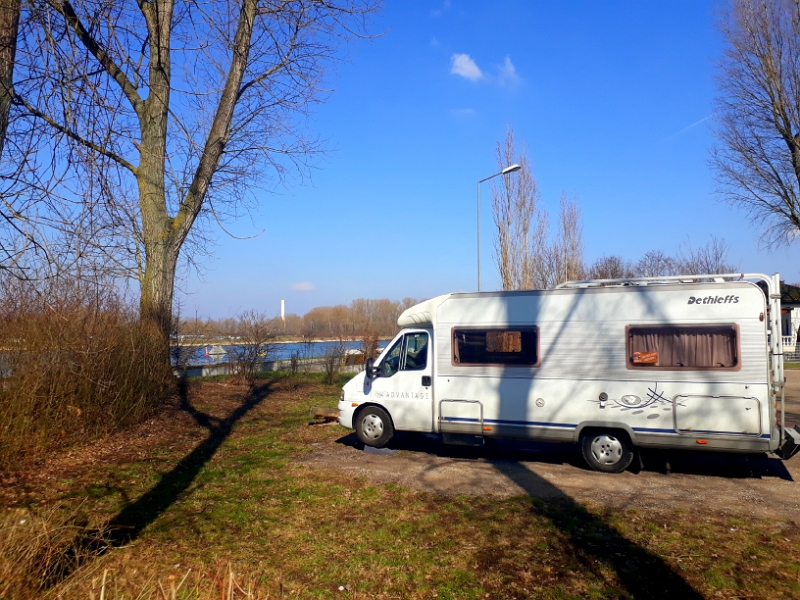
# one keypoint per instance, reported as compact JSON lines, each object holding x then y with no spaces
{"x":506,"y":171}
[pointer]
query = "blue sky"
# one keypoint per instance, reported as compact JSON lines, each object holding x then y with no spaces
{"x":612,"y":99}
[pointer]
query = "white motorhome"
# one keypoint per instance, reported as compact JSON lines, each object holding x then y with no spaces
{"x":612,"y":365}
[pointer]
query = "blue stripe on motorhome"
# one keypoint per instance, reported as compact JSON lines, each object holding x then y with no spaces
{"x":653,"y":430}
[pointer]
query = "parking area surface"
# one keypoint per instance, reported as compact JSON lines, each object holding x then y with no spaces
{"x":757,"y":485}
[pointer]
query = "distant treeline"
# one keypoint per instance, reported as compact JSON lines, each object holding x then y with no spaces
{"x":354,"y":320}
{"x":379,"y":317}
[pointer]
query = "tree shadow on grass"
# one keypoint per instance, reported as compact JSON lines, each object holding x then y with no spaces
{"x":595,"y":543}
{"x":129,"y":523}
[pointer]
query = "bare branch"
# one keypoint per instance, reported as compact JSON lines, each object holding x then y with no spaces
{"x":757,"y":159}
{"x":74,"y":136}
{"x":220,"y":128}
{"x":68,"y":12}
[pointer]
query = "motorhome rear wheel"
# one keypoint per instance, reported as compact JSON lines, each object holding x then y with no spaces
{"x":606,"y":451}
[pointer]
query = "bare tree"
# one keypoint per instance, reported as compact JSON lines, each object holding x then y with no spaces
{"x":709,"y":259}
{"x":611,"y":267}
{"x":527,"y":256}
{"x":565,"y":253}
{"x":705,"y":260}
{"x":655,"y":264}
{"x":333,"y":357}
{"x":161,"y":115}
{"x":255,"y":332}
{"x":9,"y":28}
{"x":520,"y":220}
{"x":758,"y":157}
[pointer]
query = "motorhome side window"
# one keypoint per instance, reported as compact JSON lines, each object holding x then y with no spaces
{"x":513,"y":346}
{"x":683,"y":347}
{"x":391,"y":362}
{"x":415,"y":355}
{"x":409,"y":353}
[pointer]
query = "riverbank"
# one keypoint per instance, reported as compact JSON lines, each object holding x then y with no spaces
{"x":311,"y":365}
{"x":199,"y":341}
{"x":277,"y":354}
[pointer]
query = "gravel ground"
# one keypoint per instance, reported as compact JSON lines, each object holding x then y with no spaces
{"x":757,"y":485}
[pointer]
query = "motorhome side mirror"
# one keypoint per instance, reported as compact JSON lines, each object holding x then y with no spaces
{"x":370,"y":368}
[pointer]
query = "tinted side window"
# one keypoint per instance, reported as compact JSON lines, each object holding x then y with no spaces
{"x":517,"y":346}
{"x":690,"y":347}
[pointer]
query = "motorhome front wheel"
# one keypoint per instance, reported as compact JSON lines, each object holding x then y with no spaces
{"x":374,"y":427}
{"x":606,"y":451}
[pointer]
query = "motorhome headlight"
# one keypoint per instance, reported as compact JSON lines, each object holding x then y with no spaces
{"x":341,"y":396}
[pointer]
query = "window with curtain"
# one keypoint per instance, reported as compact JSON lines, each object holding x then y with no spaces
{"x":517,"y":346}
{"x":683,"y":347}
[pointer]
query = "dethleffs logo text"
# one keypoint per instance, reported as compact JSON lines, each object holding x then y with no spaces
{"x":714,"y":300}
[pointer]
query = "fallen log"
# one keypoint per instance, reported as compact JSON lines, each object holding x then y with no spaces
{"x":326,"y":414}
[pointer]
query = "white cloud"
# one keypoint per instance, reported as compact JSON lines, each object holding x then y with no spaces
{"x":508,"y":73}
{"x":438,"y":12}
{"x":462,"y":64}
{"x":303,"y":286}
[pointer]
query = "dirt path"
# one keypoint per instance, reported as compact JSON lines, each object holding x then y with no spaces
{"x":740,"y":485}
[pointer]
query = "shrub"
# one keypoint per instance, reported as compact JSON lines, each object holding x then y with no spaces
{"x":333,"y":357}
{"x":369,"y":346}
{"x":75,"y":364}
{"x":253,"y":348}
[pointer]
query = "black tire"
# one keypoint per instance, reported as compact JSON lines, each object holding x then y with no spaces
{"x":606,"y":451}
{"x":374,"y":427}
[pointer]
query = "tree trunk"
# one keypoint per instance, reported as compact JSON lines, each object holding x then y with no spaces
{"x":160,"y":245}
{"x":163,"y":234}
{"x":157,"y":287}
{"x":9,"y":27}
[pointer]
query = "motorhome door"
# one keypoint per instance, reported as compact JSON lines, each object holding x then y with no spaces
{"x":404,"y":384}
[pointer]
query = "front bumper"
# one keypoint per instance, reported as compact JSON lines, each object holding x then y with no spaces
{"x":346,"y":410}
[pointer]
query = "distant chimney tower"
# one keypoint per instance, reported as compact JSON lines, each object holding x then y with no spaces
{"x":283,"y":307}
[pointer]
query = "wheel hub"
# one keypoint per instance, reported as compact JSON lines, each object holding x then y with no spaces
{"x":372,"y":426}
{"x":606,"y":449}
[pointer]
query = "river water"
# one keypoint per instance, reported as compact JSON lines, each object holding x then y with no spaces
{"x":204,"y":355}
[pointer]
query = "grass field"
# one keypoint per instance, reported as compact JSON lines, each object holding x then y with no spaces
{"x":208,"y":503}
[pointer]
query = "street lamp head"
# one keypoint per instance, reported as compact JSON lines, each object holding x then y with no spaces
{"x":510,"y":169}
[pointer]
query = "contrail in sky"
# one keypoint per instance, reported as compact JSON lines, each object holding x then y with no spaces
{"x":669,"y":137}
